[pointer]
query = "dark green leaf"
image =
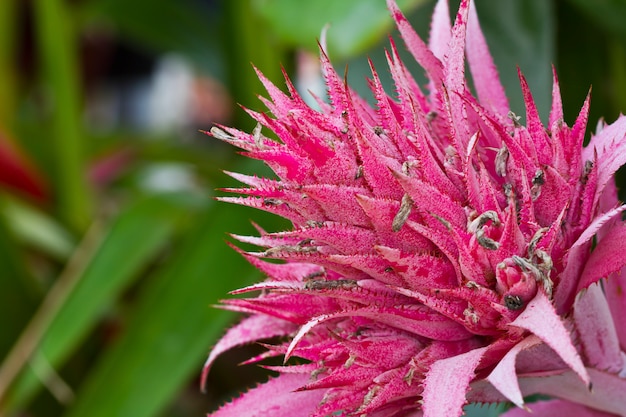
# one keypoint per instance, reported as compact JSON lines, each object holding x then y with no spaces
{"x":129,"y":244}
{"x":172,"y":327}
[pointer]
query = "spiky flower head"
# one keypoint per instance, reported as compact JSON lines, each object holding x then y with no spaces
{"x":438,"y":244}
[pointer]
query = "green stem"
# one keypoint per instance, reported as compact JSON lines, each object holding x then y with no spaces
{"x":58,"y":49}
{"x":7,"y":62}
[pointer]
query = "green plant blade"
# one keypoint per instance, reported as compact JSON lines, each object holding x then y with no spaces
{"x":17,"y":297}
{"x":128,"y":245}
{"x":58,"y":45}
{"x":355,"y":25}
{"x":173,"y":325}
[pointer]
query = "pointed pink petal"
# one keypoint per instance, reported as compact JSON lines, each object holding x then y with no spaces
{"x":534,"y":126}
{"x":556,"y":113}
{"x":504,"y":377}
{"x":249,"y":330}
{"x":596,"y":330}
{"x":555,"y":408}
{"x":447,"y":382}
{"x":274,"y":398}
{"x":484,"y":73}
{"x":540,"y":319}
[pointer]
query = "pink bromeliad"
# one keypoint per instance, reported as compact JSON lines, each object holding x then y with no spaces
{"x":442,"y":251}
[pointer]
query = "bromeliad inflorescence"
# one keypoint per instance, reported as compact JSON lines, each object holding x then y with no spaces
{"x":441,"y":250}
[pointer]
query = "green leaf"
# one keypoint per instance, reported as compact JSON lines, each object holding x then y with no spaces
{"x":172,"y":327}
{"x":112,"y":260}
{"x":355,"y":25}
{"x":58,"y":50}
{"x":17,"y":297}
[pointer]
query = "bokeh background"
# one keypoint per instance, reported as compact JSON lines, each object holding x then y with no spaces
{"x":112,"y":249}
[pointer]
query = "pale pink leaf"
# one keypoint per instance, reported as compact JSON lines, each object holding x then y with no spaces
{"x":504,"y":378}
{"x":610,"y":145}
{"x":576,"y":257}
{"x":596,"y":330}
{"x":275,"y":398}
{"x":606,"y":395}
{"x":607,"y":257}
{"x":541,"y":319}
{"x":249,"y":330}
{"x":447,"y":382}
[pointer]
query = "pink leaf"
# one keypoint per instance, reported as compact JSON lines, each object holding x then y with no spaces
{"x":610,"y":144}
{"x":596,"y":330}
{"x":607,"y":393}
{"x":504,"y":377}
{"x":564,"y":294}
{"x":249,"y":330}
{"x":607,"y":257}
{"x":447,"y":381}
{"x":275,"y":398}
{"x":540,"y":319}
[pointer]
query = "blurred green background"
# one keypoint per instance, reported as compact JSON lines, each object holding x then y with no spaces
{"x":112,"y":250}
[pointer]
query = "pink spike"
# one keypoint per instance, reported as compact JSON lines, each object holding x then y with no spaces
{"x":534,"y":125}
{"x":556,"y":114}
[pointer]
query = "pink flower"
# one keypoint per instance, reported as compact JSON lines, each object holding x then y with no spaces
{"x":442,"y":252}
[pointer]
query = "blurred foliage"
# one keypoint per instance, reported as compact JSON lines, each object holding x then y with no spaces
{"x":111,"y":247}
